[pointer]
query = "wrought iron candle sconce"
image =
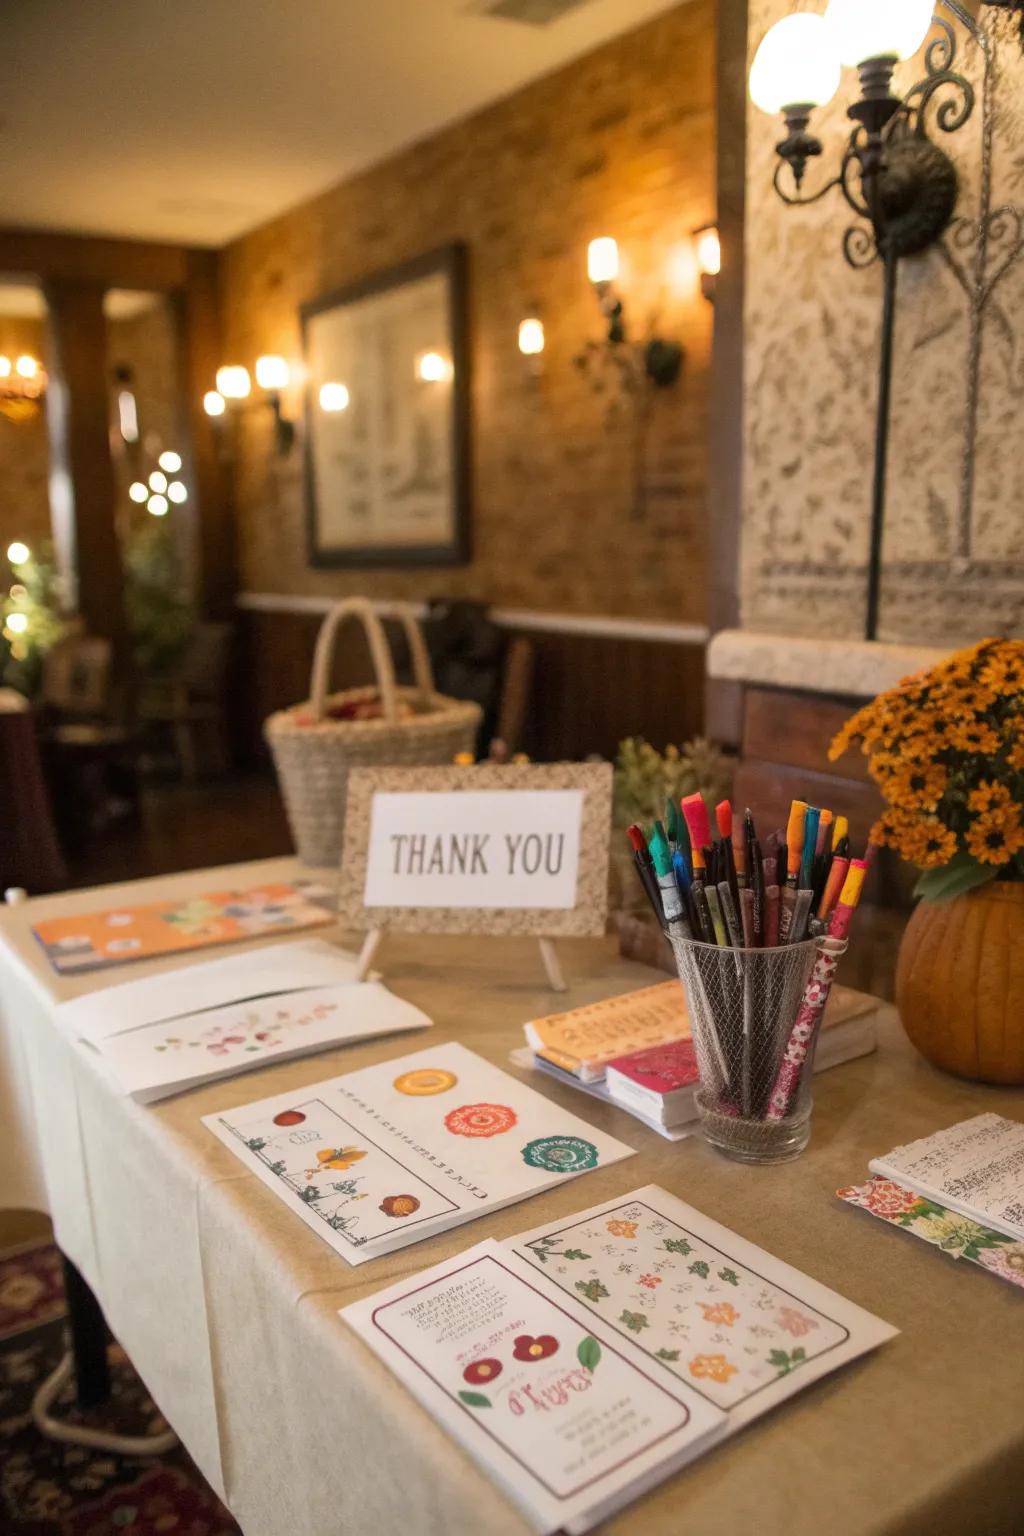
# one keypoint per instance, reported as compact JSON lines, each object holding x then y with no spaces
{"x":893,"y":175}
{"x":652,"y":362}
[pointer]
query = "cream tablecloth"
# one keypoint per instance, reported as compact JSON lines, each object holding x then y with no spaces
{"x":227,"y":1304}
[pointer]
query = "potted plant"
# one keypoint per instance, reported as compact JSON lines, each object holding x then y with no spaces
{"x":946,"y":749}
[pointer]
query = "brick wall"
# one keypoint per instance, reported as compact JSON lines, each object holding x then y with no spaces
{"x":621,"y":143}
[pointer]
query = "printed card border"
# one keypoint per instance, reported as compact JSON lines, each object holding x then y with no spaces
{"x":366,"y":1240}
{"x":478,"y":1422}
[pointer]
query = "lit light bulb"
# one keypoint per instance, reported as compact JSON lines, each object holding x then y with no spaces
{"x":170,"y":461}
{"x":334,"y":397}
{"x":157,"y":505}
{"x":272,"y":372}
{"x":5,"y":367}
{"x":17,"y":623}
{"x":531,"y":337}
{"x":432,"y":368}
{"x":128,"y":416}
{"x":878,"y":29}
{"x":18,"y":553}
{"x":603,"y":260}
{"x":27,"y":366}
{"x":157,"y":481}
{"x":177,"y":492}
{"x":796,"y":64}
{"x":233,"y":382}
{"x":138,"y":492}
{"x":709,"y":252}
{"x":214,"y":403}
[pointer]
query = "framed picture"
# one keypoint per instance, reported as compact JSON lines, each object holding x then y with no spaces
{"x":387,"y":417}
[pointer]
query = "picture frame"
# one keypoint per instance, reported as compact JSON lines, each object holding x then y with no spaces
{"x":387,"y":461}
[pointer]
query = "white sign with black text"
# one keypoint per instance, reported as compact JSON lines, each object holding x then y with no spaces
{"x":481,"y":848}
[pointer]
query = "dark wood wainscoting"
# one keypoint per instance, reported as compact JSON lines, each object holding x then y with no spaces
{"x":587,"y":691}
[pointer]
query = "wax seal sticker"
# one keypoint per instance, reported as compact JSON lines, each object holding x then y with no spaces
{"x":289,"y":1117}
{"x":426,"y":1080}
{"x":560,"y":1154}
{"x":480,"y":1120}
{"x":399,"y":1205}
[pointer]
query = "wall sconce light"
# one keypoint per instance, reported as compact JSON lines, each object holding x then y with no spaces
{"x":892,"y":174}
{"x":334,"y":397}
{"x":709,"y":259}
{"x":655,"y":360}
{"x":273,"y":375}
{"x":233,"y":382}
{"x":22,"y":387}
{"x":127,"y":406}
{"x":432,"y":368}
{"x":531,"y":344}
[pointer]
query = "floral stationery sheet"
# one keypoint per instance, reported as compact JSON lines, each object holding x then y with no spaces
{"x":381,"y":1157}
{"x":562,"y":1412}
{"x":954,"y":1234}
{"x":739,"y":1327}
{"x":164,"y":1058}
{"x":94,"y":940}
{"x":260,"y":971}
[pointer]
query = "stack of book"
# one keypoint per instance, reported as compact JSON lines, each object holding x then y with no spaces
{"x":635,"y":1050}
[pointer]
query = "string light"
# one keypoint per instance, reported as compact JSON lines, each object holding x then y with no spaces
{"x":18,"y":553}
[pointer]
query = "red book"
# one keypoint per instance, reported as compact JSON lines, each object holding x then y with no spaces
{"x":657,"y":1083}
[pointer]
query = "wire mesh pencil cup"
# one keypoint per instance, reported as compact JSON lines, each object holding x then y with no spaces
{"x":754,"y":1103}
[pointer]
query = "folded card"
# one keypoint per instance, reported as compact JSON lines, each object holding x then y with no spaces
{"x":269,"y":970}
{"x":737,"y":1326}
{"x":160,"y":1059}
{"x":563,"y":1413}
{"x":393,"y":1153}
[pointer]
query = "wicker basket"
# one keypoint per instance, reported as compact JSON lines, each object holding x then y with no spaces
{"x":313,"y":758}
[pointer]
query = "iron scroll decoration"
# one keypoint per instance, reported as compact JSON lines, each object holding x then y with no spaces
{"x":903,"y":188}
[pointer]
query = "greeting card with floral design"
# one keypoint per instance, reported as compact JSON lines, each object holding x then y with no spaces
{"x":956,"y":1235}
{"x":164,"y":1058}
{"x":560,"y":1409}
{"x":91,"y":941}
{"x":425,"y":1142}
{"x":739,"y":1327}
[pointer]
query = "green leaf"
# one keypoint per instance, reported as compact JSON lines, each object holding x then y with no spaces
{"x":588,"y":1353}
{"x":475,"y":1400}
{"x":963,"y":873}
{"x":575,"y":1253}
{"x":667,"y":1354}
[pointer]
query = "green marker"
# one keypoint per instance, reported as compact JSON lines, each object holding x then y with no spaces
{"x":671,"y":900}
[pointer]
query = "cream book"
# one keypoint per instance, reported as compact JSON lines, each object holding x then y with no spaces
{"x":975,"y":1168}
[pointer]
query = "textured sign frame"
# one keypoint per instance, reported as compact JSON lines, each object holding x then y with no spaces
{"x":586,"y":918}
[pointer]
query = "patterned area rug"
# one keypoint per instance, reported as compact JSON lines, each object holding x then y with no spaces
{"x":48,"y":1489}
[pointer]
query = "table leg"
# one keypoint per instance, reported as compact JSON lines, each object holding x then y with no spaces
{"x":88,"y":1339}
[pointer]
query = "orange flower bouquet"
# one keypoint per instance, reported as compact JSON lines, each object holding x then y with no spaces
{"x":946,"y":749}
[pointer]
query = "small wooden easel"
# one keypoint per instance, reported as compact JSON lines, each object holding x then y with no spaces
{"x":548,"y":954}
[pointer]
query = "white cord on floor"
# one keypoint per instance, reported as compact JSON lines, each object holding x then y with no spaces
{"x":95,"y":1439}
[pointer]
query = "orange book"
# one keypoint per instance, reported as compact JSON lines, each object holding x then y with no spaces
{"x":584,"y":1040}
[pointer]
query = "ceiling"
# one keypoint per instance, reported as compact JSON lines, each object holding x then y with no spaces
{"x":193,"y":120}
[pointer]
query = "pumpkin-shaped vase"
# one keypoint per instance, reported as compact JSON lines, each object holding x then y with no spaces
{"x":960,"y":983}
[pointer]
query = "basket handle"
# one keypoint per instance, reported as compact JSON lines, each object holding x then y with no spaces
{"x":380,"y":654}
{"x":423,"y":671}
